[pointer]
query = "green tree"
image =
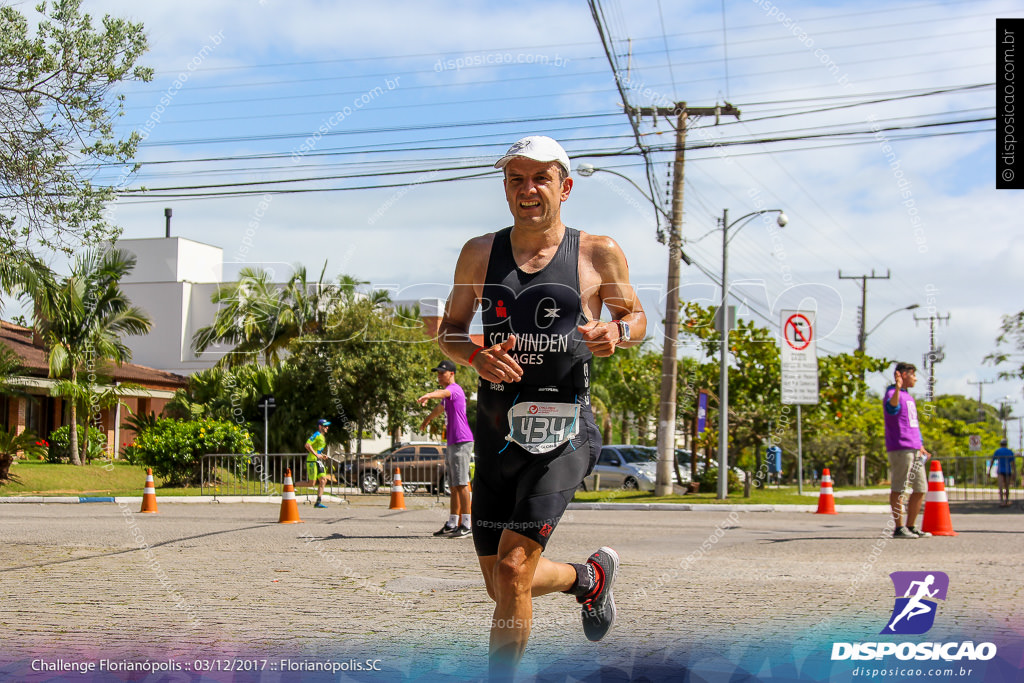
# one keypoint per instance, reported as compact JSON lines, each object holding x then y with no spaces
{"x":1010,"y":346}
{"x":257,"y":316}
{"x":625,"y":391}
{"x":57,"y":112}
{"x":248,"y":319}
{"x":81,"y":319}
{"x":365,"y":371}
{"x":755,"y":396}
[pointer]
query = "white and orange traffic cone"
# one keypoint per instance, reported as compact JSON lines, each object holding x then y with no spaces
{"x":289,"y":506}
{"x":826,"y":501}
{"x":936,"y":505}
{"x":149,"y":493}
{"x":397,"y":495}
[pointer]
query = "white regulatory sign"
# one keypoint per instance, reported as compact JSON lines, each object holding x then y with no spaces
{"x":799,"y":356}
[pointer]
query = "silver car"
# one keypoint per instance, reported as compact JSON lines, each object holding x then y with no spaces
{"x":625,"y":466}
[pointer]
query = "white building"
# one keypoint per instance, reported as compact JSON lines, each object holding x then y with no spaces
{"x":173,"y":282}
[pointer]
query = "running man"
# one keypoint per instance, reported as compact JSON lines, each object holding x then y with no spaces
{"x":315,"y":457}
{"x":914,"y":606}
{"x":460,"y":447}
{"x":540,"y":287}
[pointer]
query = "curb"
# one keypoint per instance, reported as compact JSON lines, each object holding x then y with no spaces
{"x":713,"y":507}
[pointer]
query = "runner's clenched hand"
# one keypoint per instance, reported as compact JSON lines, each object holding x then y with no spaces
{"x":496,"y":364}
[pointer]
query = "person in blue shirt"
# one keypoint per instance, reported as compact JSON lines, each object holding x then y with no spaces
{"x":1003,"y":459}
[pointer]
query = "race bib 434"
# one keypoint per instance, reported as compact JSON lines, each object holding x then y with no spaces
{"x":542,"y":427}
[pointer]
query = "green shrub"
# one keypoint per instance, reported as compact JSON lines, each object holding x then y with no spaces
{"x":709,"y":481}
{"x":60,"y":444}
{"x":174,"y":449}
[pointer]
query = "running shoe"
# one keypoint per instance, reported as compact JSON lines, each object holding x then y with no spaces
{"x":460,"y":532}
{"x":319,"y":505}
{"x":903,"y":532}
{"x":917,"y":532}
{"x":598,"y":609}
{"x":445,"y":530}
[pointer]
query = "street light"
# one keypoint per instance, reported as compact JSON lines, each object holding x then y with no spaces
{"x":586,"y":170}
{"x":667,"y":392}
{"x":723,"y":316}
{"x":884,"y":318}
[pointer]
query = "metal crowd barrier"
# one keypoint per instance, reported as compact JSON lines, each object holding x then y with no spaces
{"x":263,"y":475}
{"x":967,"y":478}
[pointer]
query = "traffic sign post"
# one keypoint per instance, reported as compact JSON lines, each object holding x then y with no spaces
{"x":799,"y":358}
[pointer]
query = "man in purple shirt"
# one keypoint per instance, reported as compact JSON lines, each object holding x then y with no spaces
{"x":906,"y":454}
{"x":460,"y":447}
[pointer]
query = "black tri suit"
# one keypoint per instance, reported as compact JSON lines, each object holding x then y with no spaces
{"x":535,"y":439}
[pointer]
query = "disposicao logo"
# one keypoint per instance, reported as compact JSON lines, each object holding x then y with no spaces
{"x":917,"y":596}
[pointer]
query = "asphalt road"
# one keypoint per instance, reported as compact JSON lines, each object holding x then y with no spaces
{"x":202,"y":583}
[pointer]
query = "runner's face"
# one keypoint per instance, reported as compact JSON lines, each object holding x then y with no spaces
{"x":534,"y":192}
{"x":909,"y":378}
{"x":445,"y":377}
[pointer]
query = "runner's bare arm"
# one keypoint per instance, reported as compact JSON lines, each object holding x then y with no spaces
{"x":493,"y":362}
{"x":604,"y":281}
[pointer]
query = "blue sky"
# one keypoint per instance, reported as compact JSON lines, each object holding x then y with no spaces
{"x":418,"y":92}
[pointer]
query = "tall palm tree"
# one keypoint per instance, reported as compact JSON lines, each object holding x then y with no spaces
{"x":248,"y":319}
{"x":258,"y":317}
{"x":81,"y":319}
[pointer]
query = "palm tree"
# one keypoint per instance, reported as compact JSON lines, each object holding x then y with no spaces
{"x":259,"y":317}
{"x":248,"y":319}
{"x":81,"y":319}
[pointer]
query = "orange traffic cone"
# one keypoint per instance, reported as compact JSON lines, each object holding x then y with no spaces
{"x":826,"y":501}
{"x":397,"y":495}
{"x":289,"y":507}
{"x":936,"y":505}
{"x":149,"y":493}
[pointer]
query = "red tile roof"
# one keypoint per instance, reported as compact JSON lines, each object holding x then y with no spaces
{"x":19,"y":340}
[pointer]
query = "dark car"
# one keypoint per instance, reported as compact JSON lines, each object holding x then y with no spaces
{"x":421,"y":464}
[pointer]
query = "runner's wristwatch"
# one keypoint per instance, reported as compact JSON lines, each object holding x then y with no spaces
{"x":623,"y":331}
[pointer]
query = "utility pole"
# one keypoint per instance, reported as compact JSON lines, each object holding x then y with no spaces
{"x":667,"y":405}
{"x":981,"y":383}
{"x":863,"y":310}
{"x":935,"y":355}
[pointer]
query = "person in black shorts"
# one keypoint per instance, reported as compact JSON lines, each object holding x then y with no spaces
{"x":540,"y":288}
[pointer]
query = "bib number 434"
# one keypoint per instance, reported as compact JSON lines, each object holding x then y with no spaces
{"x":543,"y":427}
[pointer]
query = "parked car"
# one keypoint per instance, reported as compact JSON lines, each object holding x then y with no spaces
{"x":683,"y":458}
{"x":421,"y":463}
{"x":627,"y":466}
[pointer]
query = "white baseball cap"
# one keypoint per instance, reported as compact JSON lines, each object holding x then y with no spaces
{"x":538,"y":148}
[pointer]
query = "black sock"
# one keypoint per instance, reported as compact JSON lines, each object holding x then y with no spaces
{"x":318,"y":499}
{"x":586,"y":580}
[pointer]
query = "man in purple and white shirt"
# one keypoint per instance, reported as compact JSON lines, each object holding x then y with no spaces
{"x":460,"y":447}
{"x":906,"y":454}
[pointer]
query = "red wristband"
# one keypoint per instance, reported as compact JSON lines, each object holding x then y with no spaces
{"x":473,"y":355}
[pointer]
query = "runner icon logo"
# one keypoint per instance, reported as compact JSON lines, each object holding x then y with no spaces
{"x":917,"y":594}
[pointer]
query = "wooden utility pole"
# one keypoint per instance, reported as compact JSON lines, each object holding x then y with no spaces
{"x":862,"y":336}
{"x":667,"y":405}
